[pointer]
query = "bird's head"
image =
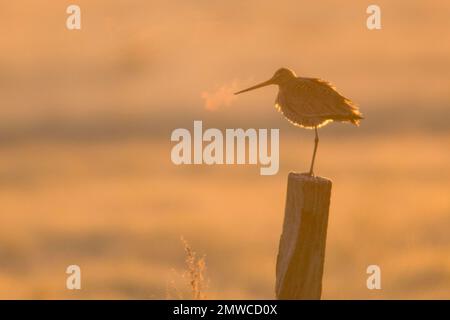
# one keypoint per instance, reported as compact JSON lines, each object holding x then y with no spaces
{"x":282,"y":75}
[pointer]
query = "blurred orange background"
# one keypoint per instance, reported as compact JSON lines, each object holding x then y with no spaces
{"x":86,"y":117}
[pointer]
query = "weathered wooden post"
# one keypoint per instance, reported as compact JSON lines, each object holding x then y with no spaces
{"x":301,"y":252}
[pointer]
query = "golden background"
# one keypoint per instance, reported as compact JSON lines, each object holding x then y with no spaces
{"x":85,"y":123}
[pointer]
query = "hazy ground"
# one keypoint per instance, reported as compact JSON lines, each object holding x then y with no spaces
{"x":118,"y":210}
{"x":85,"y":123}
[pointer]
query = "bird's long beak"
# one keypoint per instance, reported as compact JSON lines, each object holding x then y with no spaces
{"x":262,"y":84}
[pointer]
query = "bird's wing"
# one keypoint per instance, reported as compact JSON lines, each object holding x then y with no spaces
{"x":311,"y":97}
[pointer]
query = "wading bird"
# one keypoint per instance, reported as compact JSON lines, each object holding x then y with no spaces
{"x":310,"y":103}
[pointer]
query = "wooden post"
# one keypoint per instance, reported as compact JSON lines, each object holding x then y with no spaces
{"x":301,"y":252}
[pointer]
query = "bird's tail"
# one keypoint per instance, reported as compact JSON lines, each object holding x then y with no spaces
{"x":356,"y":118}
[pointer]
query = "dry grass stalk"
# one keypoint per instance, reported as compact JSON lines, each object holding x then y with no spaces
{"x":195,"y":272}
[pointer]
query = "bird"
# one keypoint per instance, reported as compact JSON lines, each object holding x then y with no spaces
{"x":310,"y":103}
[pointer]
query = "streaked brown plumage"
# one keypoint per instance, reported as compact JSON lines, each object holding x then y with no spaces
{"x":310,"y":103}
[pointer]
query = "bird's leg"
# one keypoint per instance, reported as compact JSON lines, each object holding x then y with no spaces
{"x":316,"y":142}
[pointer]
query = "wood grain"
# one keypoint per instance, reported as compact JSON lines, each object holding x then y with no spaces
{"x":301,"y":253}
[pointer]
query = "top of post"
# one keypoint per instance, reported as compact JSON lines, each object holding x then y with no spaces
{"x":308,"y":178}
